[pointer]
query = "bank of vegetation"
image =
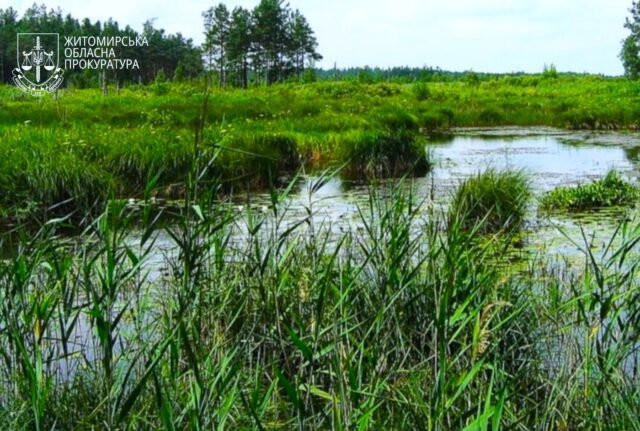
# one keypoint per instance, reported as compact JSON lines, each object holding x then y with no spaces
{"x":83,"y":146}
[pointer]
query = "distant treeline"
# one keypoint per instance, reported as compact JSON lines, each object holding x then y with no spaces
{"x":268,"y":44}
{"x":172,"y":54}
{"x":407,"y":74}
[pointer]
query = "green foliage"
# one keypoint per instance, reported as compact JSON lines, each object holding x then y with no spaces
{"x":472,"y":78}
{"x":383,"y":154}
{"x":491,"y":201}
{"x":550,"y":72}
{"x":630,"y":56}
{"x":161,"y":77}
{"x":421,"y":91}
{"x":630,"y":53}
{"x":612,"y":190}
{"x":490,"y":116}
{"x":165,"y":51}
{"x":256,"y":160}
{"x":383,"y":327}
{"x":309,"y":76}
{"x":121,"y":138}
{"x":270,"y":44}
{"x":160,"y":86}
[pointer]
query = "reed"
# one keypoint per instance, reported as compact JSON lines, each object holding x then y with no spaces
{"x":400,"y":324}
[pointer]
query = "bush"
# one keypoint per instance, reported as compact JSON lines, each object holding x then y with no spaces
{"x":491,"y":202}
{"x":421,"y":91}
{"x":613,"y":190}
{"x":550,"y":72}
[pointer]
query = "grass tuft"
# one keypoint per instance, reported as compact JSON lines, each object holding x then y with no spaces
{"x":383,"y":154}
{"x":491,"y":201}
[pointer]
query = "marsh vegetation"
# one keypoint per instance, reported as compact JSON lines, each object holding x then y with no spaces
{"x":232,"y":238}
{"x":417,"y":310}
{"x":406,"y":323}
{"x":84,"y":148}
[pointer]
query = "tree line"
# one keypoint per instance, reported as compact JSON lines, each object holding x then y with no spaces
{"x":173,"y":54}
{"x":268,"y":44}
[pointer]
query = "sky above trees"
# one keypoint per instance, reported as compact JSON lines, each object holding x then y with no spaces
{"x":483,"y":35}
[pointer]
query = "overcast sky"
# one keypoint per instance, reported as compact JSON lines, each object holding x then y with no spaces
{"x":483,"y":35}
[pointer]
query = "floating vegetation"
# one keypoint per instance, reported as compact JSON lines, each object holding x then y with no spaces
{"x":610,"y":191}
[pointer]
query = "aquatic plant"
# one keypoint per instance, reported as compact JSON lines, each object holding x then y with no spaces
{"x":386,"y":327}
{"x":612,"y":190}
{"x":383,"y":154}
{"x":120,"y":138}
{"x":491,"y":201}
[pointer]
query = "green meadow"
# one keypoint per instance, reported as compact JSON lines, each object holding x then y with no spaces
{"x":81,"y":147}
{"x":254,"y":318}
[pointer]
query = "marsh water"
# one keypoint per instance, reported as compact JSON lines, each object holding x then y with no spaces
{"x":549,"y":157}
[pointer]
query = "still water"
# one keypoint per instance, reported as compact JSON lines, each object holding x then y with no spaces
{"x":549,"y":157}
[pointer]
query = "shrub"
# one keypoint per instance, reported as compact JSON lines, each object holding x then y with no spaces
{"x":421,"y":91}
{"x":492,"y":201}
{"x":550,"y":72}
{"x":612,"y":190}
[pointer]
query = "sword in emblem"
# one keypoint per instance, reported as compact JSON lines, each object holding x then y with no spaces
{"x":37,"y":58}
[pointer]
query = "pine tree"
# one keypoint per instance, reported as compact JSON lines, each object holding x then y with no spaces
{"x":239,"y":43}
{"x":269,"y":20}
{"x":216,"y":23}
{"x":8,"y":29}
{"x":302,"y":43}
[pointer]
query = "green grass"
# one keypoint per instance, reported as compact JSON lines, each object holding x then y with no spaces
{"x":269,"y":132}
{"x":383,"y":154}
{"x":492,"y":201}
{"x":407,"y":322}
{"x":610,"y":191}
{"x":387,"y":327}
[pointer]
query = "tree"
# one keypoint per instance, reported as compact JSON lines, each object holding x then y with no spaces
{"x":8,"y":29}
{"x":270,"y":38}
{"x":630,"y":54}
{"x":239,"y":43}
{"x":165,"y":51}
{"x":302,"y":43}
{"x":216,"y":24}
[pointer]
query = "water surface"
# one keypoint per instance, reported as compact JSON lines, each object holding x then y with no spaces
{"x":549,"y":157}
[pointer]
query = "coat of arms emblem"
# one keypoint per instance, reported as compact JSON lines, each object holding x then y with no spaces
{"x":38,"y":70}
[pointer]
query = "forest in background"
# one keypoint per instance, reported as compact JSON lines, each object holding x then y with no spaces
{"x":268,"y":44}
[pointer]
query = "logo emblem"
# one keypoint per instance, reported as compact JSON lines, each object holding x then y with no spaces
{"x":38,"y":70}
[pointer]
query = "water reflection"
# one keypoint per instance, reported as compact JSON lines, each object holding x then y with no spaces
{"x":550,"y":159}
